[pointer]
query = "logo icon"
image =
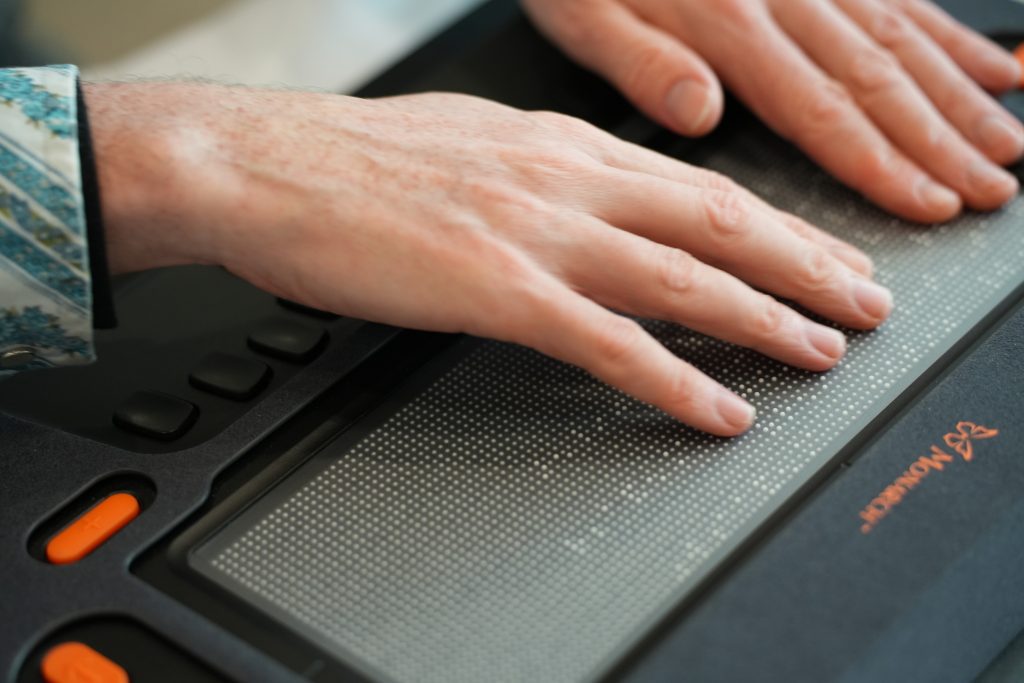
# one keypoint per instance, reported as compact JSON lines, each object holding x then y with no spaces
{"x":966,"y":432}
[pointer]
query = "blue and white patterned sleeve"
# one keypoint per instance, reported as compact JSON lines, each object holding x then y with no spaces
{"x":45,"y":295}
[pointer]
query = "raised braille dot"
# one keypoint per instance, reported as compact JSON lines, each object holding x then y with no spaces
{"x":484,"y":495}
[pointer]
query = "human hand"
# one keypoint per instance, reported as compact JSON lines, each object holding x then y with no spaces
{"x":888,"y":96}
{"x":450,"y":213}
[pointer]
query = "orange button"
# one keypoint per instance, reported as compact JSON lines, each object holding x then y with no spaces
{"x":1019,"y":54}
{"x":78,"y":663}
{"x":87,"y":532}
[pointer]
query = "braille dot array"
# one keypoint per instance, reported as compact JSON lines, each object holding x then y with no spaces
{"x":520,"y":521}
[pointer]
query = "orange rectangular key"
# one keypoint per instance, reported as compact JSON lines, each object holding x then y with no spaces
{"x":94,"y":527}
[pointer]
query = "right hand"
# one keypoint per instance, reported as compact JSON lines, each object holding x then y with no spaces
{"x":450,"y":213}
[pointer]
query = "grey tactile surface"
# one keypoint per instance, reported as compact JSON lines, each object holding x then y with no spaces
{"x":518,"y":521}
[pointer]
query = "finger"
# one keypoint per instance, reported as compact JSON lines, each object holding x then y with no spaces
{"x":802,"y":104}
{"x":984,"y":61}
{"x":735,"y":234}
{"x":656,"y":281}
{"x":660,"y":75}
{"x":851,"y":256}
{"x":894,"y":102}
{"x":571,"y":328}
{"x":978,"y":117}
{"x":629,"y":157}
{"x":796,"y":99}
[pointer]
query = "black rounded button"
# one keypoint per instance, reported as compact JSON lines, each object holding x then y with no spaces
{"x":230,"y":376}
{"x":156,"y":415}
{"x":289,"y":340}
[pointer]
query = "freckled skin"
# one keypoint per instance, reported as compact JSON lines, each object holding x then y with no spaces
{"x":450,"y":213}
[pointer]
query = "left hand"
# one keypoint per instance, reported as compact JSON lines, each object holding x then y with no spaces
{"x":888,"y":95}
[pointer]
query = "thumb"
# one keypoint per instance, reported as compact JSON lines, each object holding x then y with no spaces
{"x":661,"y":76}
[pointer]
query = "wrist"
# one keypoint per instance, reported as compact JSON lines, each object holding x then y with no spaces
{"x":149,"y":163}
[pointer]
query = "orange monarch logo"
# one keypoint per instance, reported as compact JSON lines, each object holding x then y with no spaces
{"x":962,"y":443}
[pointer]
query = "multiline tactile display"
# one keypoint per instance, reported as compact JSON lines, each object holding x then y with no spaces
{"x":519,"y":521}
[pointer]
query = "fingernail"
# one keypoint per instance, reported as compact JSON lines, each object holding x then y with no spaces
{"x":873,"y":299}
{"x":690,"y":104}
{"x":828,"y":342}
{"x":937,"y":197}
{"x":736,"y":412}
{"x":996,"y":134}
{"x":990,"y":180}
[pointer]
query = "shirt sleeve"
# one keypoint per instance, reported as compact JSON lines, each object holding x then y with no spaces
{"x":45,"y":279}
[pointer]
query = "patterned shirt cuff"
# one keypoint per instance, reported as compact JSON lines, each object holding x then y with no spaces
{"x":45,"y":295}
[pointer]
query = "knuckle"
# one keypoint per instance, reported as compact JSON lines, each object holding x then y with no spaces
{"x":728,"y":214}
{"x":647,"y":60}
{"x":959,"y":100}
{"x":770,"y":319}
{"x":952,"y":100}
{"x":721,"y":183}
{"x":817,"y":271}
{"x":512,"y":267}
{"x":827,"y":109}
{"x":890,"y":28}
{"x":563,"y":124}
{"x":799,"y":226}
{"x":544,"y":170}
{"x":548,"y":161}
{"x":740,"y":14}
{"x":956,"y":43}
{"x":685,"y":397}
{"x":875,"y":72}
{"x":617,"y":341}
{"x":523,"y":296}
{"x":677,"y":270}
{"x":873,"y":167}
{"x":495,"y":195}
{"x":938,"y":141}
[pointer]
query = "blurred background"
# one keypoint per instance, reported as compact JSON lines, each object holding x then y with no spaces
{"x":330,"y":44}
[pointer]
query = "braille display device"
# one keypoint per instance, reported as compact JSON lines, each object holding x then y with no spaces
{"x":246,"y":489}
